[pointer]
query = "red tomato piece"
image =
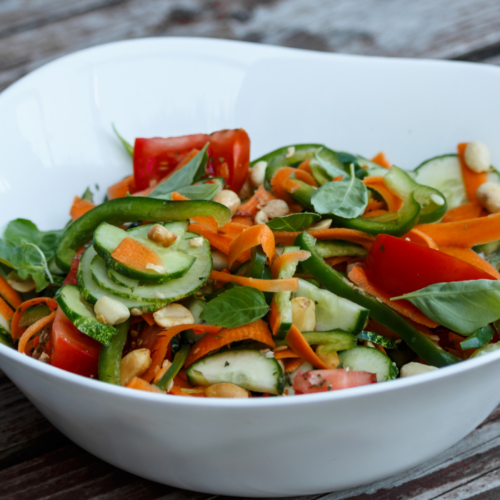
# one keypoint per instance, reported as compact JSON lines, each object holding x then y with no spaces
{"x":72,"y":350}
{"x":229,"y":156}
{"x":398,"y":266}
{"x":330,"y":380}
{"x":71,"y":277}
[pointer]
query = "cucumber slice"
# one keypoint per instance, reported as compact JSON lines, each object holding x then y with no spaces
{"x":6,"y":337}
{"x":121,"y":280}
{"x":339,"y":248}
{"x":378,"y":339}
{"x":336,"y":339}
{"x":160,"y":294}
{"x":82,"y":316}
{"x":282,"y":299}
{"x":333,"y":312}
{"x":368,"y":359}
{"x":176,"y":263}
{"x":247,"y":368}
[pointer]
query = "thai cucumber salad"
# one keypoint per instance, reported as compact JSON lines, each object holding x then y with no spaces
{"x":205,"y":274}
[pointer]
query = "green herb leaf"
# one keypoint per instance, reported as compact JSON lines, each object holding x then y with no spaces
{"x":324,"y":170}
{"x":478,"y":339}
{"x":88,"y":195}
{"x":294,"y":222}
{"x":196,"y":192}
{"x":189,"y":173}
{"x":461,"y":306}
{"x":346,"y":198}
{"x":236,"y":307}
{"x":128,"y":147}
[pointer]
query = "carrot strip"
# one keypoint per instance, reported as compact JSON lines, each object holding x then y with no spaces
{"x":358,"y":276}
{"x":282,"y":285}
{"x":279,"y":185}
{"x":381,"y":159}
{"x":5,"y":310}
{"x":373,"y":213}
{"x":373,"y":206}
{"x":33,"y":330}
{"x":285,"y":354}
{"x":421,"y":238}
{"x":245,"y":221}
{"x":80,"y":207}
{"x":468,"y":255}
{"x":178,"y":197}
{"x":208,"y":222}
{"x":464,"y":234}
{"x":274,"y":317}
{"x":305,"y":166}
{"x":258,"y":331}
{"x":472,"y":180}
{"x":251,"y":237}
{"x":334,"y":261}
{"x":255,"y":203}
{"x":149,"y":319}
{"x":219,"y":241}
{"x":299,"y":344}
{"x":158,"y":355}
{"x":292,"y":364}
{"x":9,"y":294}
{"x":287,"y":258}
{"x":142,"y":385}
{"x":467,"y":211}
{"x":377,"y":183}
{"x":352,"y":235}
{"x":194,"y":392}
{"x":121,"y":188}
{"x":233,"y":229}
{"x":14,"y":326}
{"x":134,"y":254}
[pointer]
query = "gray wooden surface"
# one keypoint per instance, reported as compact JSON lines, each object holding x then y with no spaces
{"x":36,"y":461}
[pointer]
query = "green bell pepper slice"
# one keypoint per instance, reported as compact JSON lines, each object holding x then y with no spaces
{"x":174,"y":368}
{"x":132,"y":209}
{"x":337,"y":283}
{"x":110,"y":357}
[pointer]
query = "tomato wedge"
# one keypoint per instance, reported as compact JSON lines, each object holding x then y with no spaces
{"x":398,"y":266}
{"x":229,"y":157}
{"x":72,"y":350}
{"x":71,"y":277}
{"x":330,"y":380}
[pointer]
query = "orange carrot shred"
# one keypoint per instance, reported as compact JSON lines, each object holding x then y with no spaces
{"x":472,"y":180}
{"x":136,"y":255}
{"x":142,"y":385}
{"x":471,"y":210}
{"x":121,"y":188}
{"x":251,"y":237}
{"x":281,"y":285}
{"x":9,"y":294}
{"x":149,"y":319}
{"x":285,"y":354}
{"x":381,"y":160}
{"x":286,"y":258}
{"x":158,"y":355}
{"x":16,"y":331}
{"x":421,"y":238}
{"x":5,"y":310}
{"x":352,"y":235}
{"x":279,"y":185}
{"x":299,"y":344}
{"x":468,"y":255}
{"x":377,"y":183}
{"x":33,"y":330}
{"x":255,"y":203}
{"x":80,"y":207}
{"x":292,"y":364}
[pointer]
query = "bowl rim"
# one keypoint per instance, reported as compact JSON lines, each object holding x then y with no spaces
{"x":324,"y":397}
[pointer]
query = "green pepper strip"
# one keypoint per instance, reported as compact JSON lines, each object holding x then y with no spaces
{"x":132,"y":209}
{"x":174,"y":368}
{"x":479,"y":338}
{"x":338,"y":284}
{"x":110,"y":356}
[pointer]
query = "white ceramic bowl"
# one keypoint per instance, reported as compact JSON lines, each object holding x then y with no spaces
{"x":55,"y":139}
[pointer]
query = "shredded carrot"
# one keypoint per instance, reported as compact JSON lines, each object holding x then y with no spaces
{"x":285,"y":354}
{"x":258,"y":331}
{"x":219,"y":241}
{"x":274,"y":317}
{"x":135,"y":254}
{"x":16,"y":332}
{"x":292,"y":364}
{"x":33,"y":330}
{"x":178,"y":197}
{"x":196,"y":392}
{"x":352,"y":235}
{"x":301,"y":347}
{"x":255,"y":203}
{"x":472,"y":180}
{"x":306,"y":166}
{"x":464,"y":234}
{"x":335,"y":261}
{"x":233,"y":229}
{"x":468,"y":255}
{"x":9,"y":294}
{"x":121,"y":188}
{"x":251,"y":237}
{"x":467,"y":211}
{"x":287,"y":258}
{"x":377,"y":183}
{"x":421,"y":238}
{"x":358,"y":276}
{"x":381,"y":159}
{"x":158,"y":355}
{"x":245,"y":221}
{"x":373,"y":213}
{"x":80,"y":207}
{"x":149,"y":319}
{"x":281,"y":188}
{"x":5,"y":310}
{"x":142,"y":385}
{"x":373,"y":206}
{"x":208,"y":222}
{"x":281,"y":285}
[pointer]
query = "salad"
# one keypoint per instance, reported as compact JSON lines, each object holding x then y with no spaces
{"x":203,"y":274}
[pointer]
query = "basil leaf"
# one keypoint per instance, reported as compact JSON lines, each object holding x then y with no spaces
{"x":188,"y":174}
{"x":294,"y":222}
{"x":236,"y":307}
{"x":461,"y":306}
{"x":478,"y":339}
{"x":324,"y":170}
{"x":128,"y":147}
{"x":88,"y":195}
{"x":346,"y":198}
{"x":195,"y":192}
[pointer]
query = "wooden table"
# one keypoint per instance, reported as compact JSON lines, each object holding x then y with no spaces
{"x":36,"y":461}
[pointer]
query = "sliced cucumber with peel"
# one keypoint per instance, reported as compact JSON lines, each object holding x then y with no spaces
{"x":246,"y":368}
{"x":82,"y":316}
{"x":336,"y":339}
{"x":369,"y":359}
{"x":375,"y":338}
{"x":339,"y":248}
{"x":333,"y":312}
{"x":176,"y":263}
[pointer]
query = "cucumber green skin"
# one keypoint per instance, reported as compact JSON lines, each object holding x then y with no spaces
{"x":122,"y":280}
{"x":196,"y":367}
{"x":257,"y":268}
{"x":338,"y":340}
{"x":33,"y":314}
{"x":129,"y":272}
{"x":132,"y":209}
{"x":378,"y":339}
{"x":6,"y":337}
{"x":348,"y":360}
{"x":485,"y":350}
{"x":110,"y":357}
{"x":339,"y":248}
{"x":174,"y":368}
{"x":337,"y":283}
{"x":479,"y":338}
{"x":86,"y":324}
